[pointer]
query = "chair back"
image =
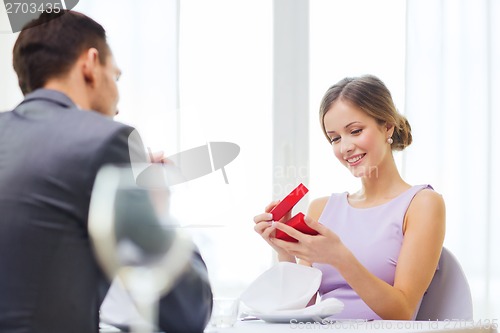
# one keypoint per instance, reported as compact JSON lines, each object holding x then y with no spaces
{"x":448,"y":296}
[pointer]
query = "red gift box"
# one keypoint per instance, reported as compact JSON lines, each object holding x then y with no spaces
{"x":288,"y":202}
{"x":297,"y":222}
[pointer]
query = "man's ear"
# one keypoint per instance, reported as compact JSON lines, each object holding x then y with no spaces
{"x":90,"y":65}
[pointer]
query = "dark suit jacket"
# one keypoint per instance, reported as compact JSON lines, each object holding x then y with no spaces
{"x":50,"y":152}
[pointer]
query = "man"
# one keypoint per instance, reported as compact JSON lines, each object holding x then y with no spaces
{"x":51,"y":148}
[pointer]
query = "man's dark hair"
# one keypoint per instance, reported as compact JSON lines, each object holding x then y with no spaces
{"x":48,"y":46}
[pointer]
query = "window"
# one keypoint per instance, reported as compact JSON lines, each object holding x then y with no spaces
{"x":350,"y":38}
{"x":225,"y":80}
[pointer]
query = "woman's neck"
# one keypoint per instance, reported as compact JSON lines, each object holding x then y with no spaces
{"x":381,"y":184}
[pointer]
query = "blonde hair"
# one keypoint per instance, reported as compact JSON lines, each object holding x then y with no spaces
{"x":370,"y":94}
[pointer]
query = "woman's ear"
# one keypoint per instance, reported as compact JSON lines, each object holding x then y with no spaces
{"x":390,"y":129}
{"x":90,"y":66}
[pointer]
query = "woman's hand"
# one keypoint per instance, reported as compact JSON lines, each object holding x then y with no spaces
{"x":325,"y":248}
{"x":265,"y":226}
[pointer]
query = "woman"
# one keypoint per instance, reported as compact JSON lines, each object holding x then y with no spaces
{"x":378,"y":248}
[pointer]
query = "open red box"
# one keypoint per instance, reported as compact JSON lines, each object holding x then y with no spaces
{"x":297,"y":222}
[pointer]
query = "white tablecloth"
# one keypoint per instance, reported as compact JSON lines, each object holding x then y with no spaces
{"x":378,"y":326}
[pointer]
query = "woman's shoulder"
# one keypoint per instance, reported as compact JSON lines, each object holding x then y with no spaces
{"x":316,"y":207}
{"x":427,"y":205}
{"x":425,"y":194}
{"x":319,"y":201}
{"x":424,"y":198}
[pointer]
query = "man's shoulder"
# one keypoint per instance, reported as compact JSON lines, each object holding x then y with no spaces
{"x":47,"y":104}
{"x":98,"y":121}
{"x":78,"y":121}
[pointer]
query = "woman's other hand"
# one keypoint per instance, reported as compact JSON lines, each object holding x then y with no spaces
{"x":325,"y":247}
{"x":265,"y":226}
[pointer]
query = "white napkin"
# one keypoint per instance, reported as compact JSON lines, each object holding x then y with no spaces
{"x":326,"y":307}
{"x":285,"y":286}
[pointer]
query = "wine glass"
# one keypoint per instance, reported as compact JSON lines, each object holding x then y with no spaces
{"x":135,"y":235}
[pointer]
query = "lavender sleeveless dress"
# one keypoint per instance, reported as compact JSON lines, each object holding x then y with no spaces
{"x":374,"y":235}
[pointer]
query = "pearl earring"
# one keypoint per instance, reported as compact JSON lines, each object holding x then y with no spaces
{"x":390,"y":141}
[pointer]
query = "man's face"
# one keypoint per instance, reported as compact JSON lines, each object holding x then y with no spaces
{"x":106,"y":96}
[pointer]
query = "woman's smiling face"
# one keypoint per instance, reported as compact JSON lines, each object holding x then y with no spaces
{"x":358,"y":141}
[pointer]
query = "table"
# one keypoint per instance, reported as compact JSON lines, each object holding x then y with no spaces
{"x":259,"y":326}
